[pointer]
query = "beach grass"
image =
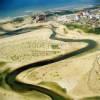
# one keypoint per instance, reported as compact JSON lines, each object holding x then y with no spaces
{"x":85,"y":28}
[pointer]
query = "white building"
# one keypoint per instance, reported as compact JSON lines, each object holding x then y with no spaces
{"x":97,"y":16}
{"x":90,"y":16}
{"x":63,"y":19}
{"x":77,"y":18}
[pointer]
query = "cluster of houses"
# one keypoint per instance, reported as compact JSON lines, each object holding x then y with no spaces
{"x":78,"y":16}
{"x":67,"y":18}
{"x":63,"y":18}
{"x":39,"y":18}
{"x":86,"y":14}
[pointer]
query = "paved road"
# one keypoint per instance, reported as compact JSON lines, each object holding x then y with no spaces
{"x":16,"y":85}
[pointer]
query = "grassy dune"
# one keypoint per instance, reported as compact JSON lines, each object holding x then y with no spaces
{"x":85,"y":28}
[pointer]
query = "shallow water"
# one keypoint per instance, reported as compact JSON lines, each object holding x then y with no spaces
{"x":20,"y":7}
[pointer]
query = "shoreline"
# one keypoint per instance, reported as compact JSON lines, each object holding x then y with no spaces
{"x":48,"y":12}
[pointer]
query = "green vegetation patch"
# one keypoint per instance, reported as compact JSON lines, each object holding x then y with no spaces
{"x":2,"y":77}
{"x":55,"y":46}
{"x":54,"y":86}
{"x":91,"y":98}
{"x":85,"y":28}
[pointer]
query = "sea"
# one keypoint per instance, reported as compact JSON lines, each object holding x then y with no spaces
{"x":13,"y":8}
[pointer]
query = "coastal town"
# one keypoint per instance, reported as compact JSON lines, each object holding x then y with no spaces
{"x":78,"y":16}
{"x":85,"y":17}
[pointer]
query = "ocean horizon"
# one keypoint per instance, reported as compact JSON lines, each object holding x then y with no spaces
{"x":15,"y":8}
